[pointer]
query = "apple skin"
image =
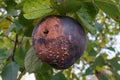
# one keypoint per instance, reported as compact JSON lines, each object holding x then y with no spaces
{"x":59,"y":41}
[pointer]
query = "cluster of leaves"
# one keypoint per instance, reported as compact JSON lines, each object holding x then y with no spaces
{"x":18,"y":18}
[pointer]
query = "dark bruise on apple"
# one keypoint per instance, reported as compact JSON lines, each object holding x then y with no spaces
{"x":59,"y":41}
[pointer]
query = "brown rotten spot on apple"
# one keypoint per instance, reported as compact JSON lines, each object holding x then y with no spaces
{"x":59,"y":41}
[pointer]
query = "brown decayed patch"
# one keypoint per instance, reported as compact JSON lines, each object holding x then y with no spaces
{"x":50,"y":25}
{"x":56,"y":52}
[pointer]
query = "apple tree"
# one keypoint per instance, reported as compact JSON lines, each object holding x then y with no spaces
{"x":99,"y":18}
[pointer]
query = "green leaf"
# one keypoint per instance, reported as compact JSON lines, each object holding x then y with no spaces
{"x":99,"y":27}
{"x":98,"y":68}
{"x":19,"y":56}
{"x":92,"y":52}
{"x":11,"y":7}
{"x":59,"y":76}
{"x":115,"y":73}
{"x":103,"y":77}
{"x":68,"y":72}
{"x":26,"y":43}
{"x":36,"y":8}
{"x":89,"y":70}
{"x":31,"y":62}
{"x":83,"y":78}
{"x":100,"y":60}
{"x":86,"y":15}
{"x":19,"y":27}
{"x":74,"y":76}
{"x":89,"y":11}
{"x":3,"y":56}
{"x":114,"y":63}
{"x":24,"y":22}
{"x":65,"y":6}
{"x":109,"y":7}
{"x":44,"y":73}
{"x":111,"y":48}
{"x":117,"y":1}
{"x":10,"y":71}
{"x":91,"y":45}
{"x":27,"y":25}
{"x":85,"y":24}
{"x":5,"y":24}
{"x":16,"y":26}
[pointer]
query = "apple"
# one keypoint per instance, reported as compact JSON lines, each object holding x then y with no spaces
{"x":59,"y":41}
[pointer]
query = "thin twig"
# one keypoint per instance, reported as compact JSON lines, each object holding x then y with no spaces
{"x":14,"y":49}
{"x":9,"y":19}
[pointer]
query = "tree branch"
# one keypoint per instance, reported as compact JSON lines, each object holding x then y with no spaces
{"x":14,"y":49}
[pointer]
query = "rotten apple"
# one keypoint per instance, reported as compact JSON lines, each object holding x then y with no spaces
{"x":59,"y":41}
